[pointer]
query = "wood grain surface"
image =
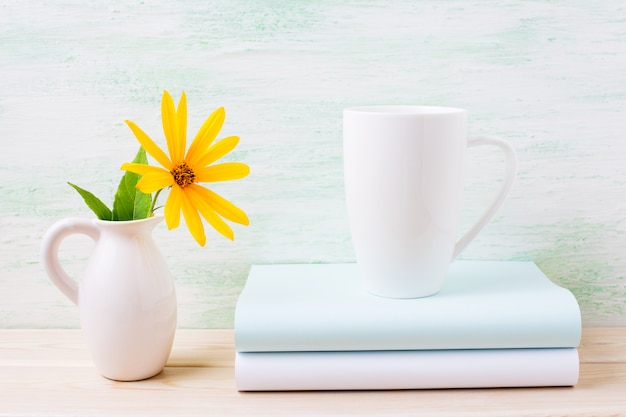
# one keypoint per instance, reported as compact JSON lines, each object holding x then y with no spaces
{"x":48,"y":372}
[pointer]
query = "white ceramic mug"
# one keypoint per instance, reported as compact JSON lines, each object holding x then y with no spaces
{"x":403,"y":168}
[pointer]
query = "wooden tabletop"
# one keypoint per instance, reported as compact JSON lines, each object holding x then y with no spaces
{"x":49,"y":372}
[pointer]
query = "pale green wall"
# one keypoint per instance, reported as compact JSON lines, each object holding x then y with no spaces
{"x":550,"y":76}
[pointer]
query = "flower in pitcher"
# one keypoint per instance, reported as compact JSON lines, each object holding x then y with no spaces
{"x":184,"y":169}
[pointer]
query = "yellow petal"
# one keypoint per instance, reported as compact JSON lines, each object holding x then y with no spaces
{"x":154,"y":181}
{"x":149,"y":145}
{"x":222,"y":206}
{"x":218,"y":150}
{"x":141,"y":169}
{"x":172,"y":207}
{"x":222,"y":172}
{"x":205,"y":136}
{"x":196,"y":198}
{"x":192,"y":218}
{"x":170,"y":127}
{"x":181,"y":114}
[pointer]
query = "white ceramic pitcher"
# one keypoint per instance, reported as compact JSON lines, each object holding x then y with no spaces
{"x":127,"y":299}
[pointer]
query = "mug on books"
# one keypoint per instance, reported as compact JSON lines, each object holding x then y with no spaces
{"x":403,"y":169}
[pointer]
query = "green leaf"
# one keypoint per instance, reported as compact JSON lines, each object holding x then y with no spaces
{"x":130,"y":203}
{"x":94,"y":203}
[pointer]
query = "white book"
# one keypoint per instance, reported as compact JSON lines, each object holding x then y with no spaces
{"x":386,"y":370}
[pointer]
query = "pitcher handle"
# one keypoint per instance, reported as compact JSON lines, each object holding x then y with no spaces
{"x":511,"y":169}
{"x":50,"y":252}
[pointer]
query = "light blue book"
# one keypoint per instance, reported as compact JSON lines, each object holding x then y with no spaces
{"x":483,"y":305}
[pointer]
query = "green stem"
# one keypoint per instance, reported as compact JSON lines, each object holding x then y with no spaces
{"x":154,"y":200}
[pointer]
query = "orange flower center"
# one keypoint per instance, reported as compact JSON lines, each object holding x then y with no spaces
{"x":183,"y":175}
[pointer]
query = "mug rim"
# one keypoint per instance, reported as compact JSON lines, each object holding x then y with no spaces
{"x":405,"y":110}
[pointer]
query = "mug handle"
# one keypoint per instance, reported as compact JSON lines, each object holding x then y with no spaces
{"x":50,"y":252}
{"x":511,"y":169}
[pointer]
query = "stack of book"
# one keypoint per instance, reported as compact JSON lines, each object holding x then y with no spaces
{"x":494,"y":324}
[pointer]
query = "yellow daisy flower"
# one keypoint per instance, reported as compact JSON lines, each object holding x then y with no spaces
{"x":182,"y":172}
